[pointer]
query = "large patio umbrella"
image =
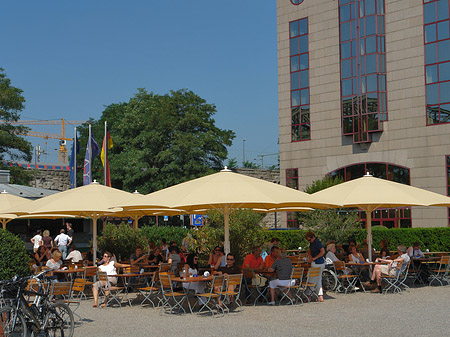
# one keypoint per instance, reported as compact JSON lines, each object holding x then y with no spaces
{"x":93,"y":201}
{"x":224,"y":191}
{"x":6,"y":202}
{"x":369,"y":193}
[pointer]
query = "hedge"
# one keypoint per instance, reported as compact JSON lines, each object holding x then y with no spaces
{"x":13,"y":256}
{"x":156,"y":233}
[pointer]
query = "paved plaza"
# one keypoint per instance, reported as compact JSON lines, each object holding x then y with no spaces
{"x":420,"y":312}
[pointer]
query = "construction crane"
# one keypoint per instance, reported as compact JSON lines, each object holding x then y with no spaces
{"x":61,"y":137}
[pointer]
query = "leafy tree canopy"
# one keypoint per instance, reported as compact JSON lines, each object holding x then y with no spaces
{"x":159,"y":140}
{"x":12,"y":146}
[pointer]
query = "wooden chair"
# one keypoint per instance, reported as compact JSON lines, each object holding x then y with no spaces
{"x":152,"y":290}
{"x":293,"y":291}
{"x":111,"y":292}
{"x":164,"y":267}
{"x":76,"y":294}
{"x":171,"y":299}
{"x":396,"y":281}
{"x":211,"y":298}
{"x":232,"y":291}
{"x":347,"y":281}
{"x":254,"y":289}
{"x":441,"y":272}
{"x":308,"y":285}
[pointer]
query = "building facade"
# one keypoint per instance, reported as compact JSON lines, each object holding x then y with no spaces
{"x":364,"y":85}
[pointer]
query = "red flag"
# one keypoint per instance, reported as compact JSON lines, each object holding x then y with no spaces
{"x":104,"y":157}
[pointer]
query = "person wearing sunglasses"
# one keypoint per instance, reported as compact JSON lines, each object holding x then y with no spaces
{"x":316,"y":253}
{"x":109,"y":266}
{"x":230,"y":267}
{"x":191,"y":269}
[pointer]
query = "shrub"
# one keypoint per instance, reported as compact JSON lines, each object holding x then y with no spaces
{"x":13,"y":256}
{"x":120,"y":240}
{"x":170,"y":233}
{"x":245,"y":232}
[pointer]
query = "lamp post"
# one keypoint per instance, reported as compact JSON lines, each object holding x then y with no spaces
{"x":243,"y":151}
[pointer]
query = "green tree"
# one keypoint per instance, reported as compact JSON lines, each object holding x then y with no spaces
{"x":245,"y":232}
{"x":12,"y":146}
{"x":330,"y":224}
{"x":160,"y":140}
{"x":232,"y":163}
{"x":249,"y":164}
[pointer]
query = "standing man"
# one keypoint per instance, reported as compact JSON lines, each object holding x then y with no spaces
{"x":316,"y":253}
{"x":37,"y":240}
{"x":62,"y":241}
{"x":69,"y":231}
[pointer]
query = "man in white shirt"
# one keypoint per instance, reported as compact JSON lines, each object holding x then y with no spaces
{"x":74,"y":254}
{"x":62,"y":241}
{"x":37,"y":240}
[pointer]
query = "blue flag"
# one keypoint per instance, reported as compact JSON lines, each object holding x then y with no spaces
{"x":73,"y":164}
{"x":87,"y":169}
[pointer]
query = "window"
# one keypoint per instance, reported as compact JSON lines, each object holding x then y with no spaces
{"x":292,"y":182}
{"x":437,"y":60}
{"x":393,"y":217}
{"x":363,"y":67}
{"x":296,"y":2}
{"x":299,"y":57}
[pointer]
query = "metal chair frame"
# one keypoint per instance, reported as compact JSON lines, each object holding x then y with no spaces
{"x":442,"y":273}
{"x":213,"y":296}
{"x":114,"y":291}
{"x":169,"y":295}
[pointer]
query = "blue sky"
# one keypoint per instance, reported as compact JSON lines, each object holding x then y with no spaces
{"x":72,"y":58}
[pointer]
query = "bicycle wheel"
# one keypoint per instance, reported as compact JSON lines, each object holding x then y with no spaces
{"x":329,"y":281}
{"x":60,"y":322}
{"x":10,"y":327}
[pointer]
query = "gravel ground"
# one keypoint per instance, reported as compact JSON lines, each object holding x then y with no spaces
{"x":420,"y":312}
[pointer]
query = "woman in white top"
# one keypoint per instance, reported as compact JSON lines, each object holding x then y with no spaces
{"x":191,"y":268}
{"x":109,"y":266}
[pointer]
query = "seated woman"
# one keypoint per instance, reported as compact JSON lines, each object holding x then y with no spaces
{"x":331,"y":257}
{"x":108,"y":266}
{"x":41,"y":256}
{"x":191,"y":268}
{"x":384,"y":251}
{"x":356,"y":257}
{"x":217,"y":258}
{"x":55,"y":263}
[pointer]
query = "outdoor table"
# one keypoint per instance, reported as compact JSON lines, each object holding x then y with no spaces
{"x":126,"y":278}
{"x":191,"y":280}
{"x":436,"y":253}
{"x":68,"y":273}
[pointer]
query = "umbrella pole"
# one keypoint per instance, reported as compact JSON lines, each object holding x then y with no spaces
{"x":369,"y":232}
{"x":94,"y":237}
{"x":226,"y":218}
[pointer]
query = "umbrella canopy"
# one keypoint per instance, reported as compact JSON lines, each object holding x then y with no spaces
{"x":369,"y":193}
{"x":224,"y":191}
{"x":93,"y":201}
{"x":8,"y":201}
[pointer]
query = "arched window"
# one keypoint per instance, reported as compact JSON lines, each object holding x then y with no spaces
{"x":393,"y":217}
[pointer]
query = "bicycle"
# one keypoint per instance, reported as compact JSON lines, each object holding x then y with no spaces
{"x":42,"y":316}
{"x":329,"y":279}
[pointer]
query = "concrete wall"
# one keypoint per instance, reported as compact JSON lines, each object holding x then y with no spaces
{"x":405,"y":141}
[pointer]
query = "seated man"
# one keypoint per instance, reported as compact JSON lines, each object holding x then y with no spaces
{"x":74,"y":254}
{"x":283,"y":268}
{"x":274,"y":255}
{"x":156,"y":257}
{"x":389,"y":269}
{"x":253,"y":260}
{"x":138,"y":257}
{"x":230,"y":267}
{"x":414,"y":250}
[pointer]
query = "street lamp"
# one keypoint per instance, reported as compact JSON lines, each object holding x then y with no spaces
{"x":243,"y":151}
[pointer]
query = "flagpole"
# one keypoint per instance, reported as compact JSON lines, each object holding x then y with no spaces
{"x":75,"y":157}
{"x":90,"y":155}
{"x":105,"y":145}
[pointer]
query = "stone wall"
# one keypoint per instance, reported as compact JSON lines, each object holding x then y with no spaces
{"x":268,"y":175}
{"x":57,"y":180}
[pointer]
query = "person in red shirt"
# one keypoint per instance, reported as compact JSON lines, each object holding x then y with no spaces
{"x":274,"y":255}
{"x":253,"y":260}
